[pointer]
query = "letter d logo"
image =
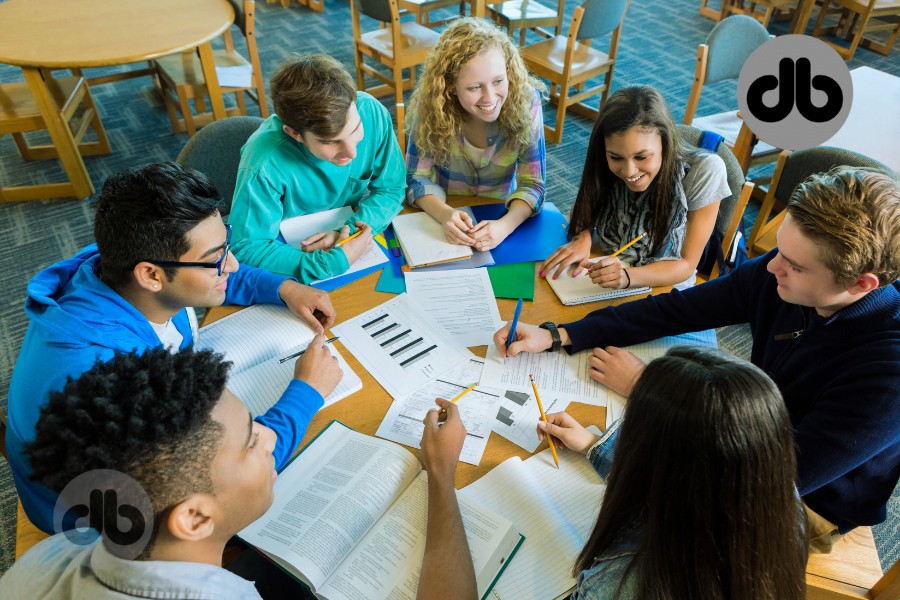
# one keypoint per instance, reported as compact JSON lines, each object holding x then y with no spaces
{"x":795,"y":92}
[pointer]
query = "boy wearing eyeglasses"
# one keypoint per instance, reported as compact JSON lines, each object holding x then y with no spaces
{"x":161,"y":249}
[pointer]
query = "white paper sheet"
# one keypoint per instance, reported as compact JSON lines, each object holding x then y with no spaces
{"x":555,"y":509}
{"x":462,"y":301}
{"x":297,"y":229}
{"x":518,"y":414}
{"x":235,"y":76}
{"x":400,"y":345}
{"x":403,"y":421}
{"x":423,"y":241}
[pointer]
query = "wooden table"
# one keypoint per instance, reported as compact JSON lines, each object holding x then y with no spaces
{"x":364,"y":410}
{"x":45,"y":35}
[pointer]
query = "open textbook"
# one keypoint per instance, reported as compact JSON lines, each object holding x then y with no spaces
{"x":349,"y":521}
{"x":555,"y":509}
{"x":423,"y":242}
{"x":255,"y":339}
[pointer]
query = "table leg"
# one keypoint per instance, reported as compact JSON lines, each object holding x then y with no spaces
{"x":212,"y":81}
{"x":801,"y":16}
{"x":59,"y":132}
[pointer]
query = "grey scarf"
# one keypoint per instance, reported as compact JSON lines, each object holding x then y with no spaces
{"x":626,"y":215}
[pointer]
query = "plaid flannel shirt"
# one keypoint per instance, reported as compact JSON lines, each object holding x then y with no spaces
{"x":506,"y":171}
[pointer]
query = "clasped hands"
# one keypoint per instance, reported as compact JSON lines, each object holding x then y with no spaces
{"x":484,"y":235}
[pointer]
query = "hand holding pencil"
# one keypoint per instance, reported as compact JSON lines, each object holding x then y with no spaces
{"x":537,"y":397}
{"x":610,"y":272}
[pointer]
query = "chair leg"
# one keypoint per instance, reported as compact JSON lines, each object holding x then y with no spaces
{"x":522,"y":36}
{"x":360,"y":76}
{"x":242,"y":105}
{"x":861,"y":27}
{"x":96,"y":123}
{"x":398,"y":81}
{"x":24,"y":148}
{"x":556,"y":134}
{"x":822,"y":13}
{"x":186,"y":115}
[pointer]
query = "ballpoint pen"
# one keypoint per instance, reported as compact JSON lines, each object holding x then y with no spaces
{"x":302,"y":351}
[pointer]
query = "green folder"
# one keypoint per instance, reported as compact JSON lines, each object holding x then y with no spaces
{"x":514,"y":280}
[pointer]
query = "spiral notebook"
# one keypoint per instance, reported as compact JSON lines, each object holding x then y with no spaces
{"x":580,"y":290}
{"x":423,"y":242}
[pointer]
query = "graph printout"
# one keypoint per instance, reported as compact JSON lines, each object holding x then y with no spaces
{"x":400,"y":345}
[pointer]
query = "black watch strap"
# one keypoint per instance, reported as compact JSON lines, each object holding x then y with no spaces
{"x":554,"y":333}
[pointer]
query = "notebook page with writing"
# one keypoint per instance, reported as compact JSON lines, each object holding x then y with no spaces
{"x":555,"y":511}
{"x":255,"y":334}
{"x":579,"y":290}
{"x":423,"y":241}
{"x":260,"y":387}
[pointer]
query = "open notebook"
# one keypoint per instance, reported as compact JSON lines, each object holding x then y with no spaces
{"x":555,"y":509}
{"x":423,"y":242}
{"x":255,"y":340}
{"x":580,"y":290}
{"x":349,"y":521}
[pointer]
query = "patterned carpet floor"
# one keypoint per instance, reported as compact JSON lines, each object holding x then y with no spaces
{"x":658,"y":47}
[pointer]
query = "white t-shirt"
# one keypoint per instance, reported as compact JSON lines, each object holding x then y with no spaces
{"x":474,"y":153}
{"x":169,"y":335}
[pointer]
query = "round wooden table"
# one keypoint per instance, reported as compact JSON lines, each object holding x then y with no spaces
{"x":43,"y":35}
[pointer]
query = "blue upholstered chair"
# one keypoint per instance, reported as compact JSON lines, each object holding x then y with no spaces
{"x":727,"y":47}
{"x":216,"y":152}
{"x":567,"y":61}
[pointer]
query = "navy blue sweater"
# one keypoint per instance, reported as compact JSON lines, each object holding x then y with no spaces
{"x":840,"y":377}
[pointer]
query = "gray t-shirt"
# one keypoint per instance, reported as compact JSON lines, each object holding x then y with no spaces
{"x":706,"y":182}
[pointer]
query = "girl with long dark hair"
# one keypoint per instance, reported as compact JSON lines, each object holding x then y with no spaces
{"x":700,"y":501}
{"x":639,"y":177}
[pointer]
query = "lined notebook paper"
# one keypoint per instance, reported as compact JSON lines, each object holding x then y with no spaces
{"x":580,"y":290}
{"x":423,"y":242}
{"x":555,"y":509}
{"x":255,"y":339}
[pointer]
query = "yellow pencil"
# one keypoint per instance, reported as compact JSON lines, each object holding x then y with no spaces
{"x":544,"y":418}
{"x":469,"y":389}
{"x":360,"y":231}
{"x":625,"y":247}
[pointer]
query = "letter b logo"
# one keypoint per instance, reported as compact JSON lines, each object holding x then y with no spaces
{"x":795,"y":92}
{"x":112,"y":504}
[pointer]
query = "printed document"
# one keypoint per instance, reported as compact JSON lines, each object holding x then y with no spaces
{"x":462,"y":301}
{"x":401,"y":345}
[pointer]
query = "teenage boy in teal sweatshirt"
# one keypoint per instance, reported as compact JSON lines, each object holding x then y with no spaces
{"x":327,"y":146}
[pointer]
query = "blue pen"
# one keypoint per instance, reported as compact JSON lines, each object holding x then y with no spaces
{"x":512,"y":330}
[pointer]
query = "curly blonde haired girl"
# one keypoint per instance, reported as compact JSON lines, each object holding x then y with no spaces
{"x":475,"y":128}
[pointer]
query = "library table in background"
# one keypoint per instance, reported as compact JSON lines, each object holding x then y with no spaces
{"x":42,"y":36}
{"x":364,"y":410}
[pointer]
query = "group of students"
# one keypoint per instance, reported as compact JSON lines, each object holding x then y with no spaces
{"x":722,"y":474}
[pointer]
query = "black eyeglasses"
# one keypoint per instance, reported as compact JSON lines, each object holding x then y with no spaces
{"x":219,"y":265}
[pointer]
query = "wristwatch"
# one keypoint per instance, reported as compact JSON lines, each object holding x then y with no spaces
{"x":554,"y":333}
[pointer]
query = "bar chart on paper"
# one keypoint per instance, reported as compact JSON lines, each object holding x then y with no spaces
{"x":400,"y":345}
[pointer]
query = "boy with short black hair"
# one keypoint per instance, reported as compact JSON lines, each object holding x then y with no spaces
{"x":162,"y":248}
{"x":327,"y":146}
{"x":825,"y":320}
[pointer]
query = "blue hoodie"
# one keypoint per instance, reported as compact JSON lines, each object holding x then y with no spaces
{"x":76,"y":320}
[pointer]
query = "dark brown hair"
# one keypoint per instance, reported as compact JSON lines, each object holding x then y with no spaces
{"x":702,"y":484}
{"x":312,"y":93}
{"x":638,"y":106}
{"x":853,"y":214}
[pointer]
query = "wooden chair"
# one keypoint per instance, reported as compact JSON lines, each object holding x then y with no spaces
{"x":731,"y":209}
{"x":711,"y":13}
{"x":791,"y":170}
{"x":401,"y":130}
{"x":851,"y":571}
{"x":181,"y":76}
{"x":862,"y":12}
{"x":770,"y":8}
{"x":721,"y":58}
{"x":524,"y":15}
{"x":570,"y":61}
{"x":19,"y":113}
{"x":398,"y":46}
{"x":316,"y":5}
{"x":422,"y":8}
{"x":27,"y":535}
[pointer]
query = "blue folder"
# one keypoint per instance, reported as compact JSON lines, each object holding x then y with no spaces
{"x":532,"y":241}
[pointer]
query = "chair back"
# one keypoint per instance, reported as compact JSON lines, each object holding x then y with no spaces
{"x":380,"y":10}
{"x":821,"y":159}
{"x":601,"y":17}
{"x":216,"y":152}
{"x":730,"y":43}
{"x":736,"y":179}
{"x":240,"y":18}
